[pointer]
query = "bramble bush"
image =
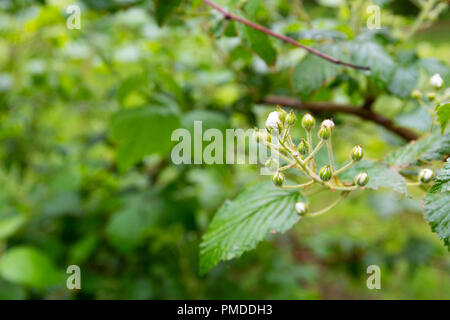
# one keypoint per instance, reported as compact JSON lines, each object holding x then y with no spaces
{"x":359,"y":148}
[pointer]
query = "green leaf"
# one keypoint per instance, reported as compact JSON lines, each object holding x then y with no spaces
{"x":433,"y":66}
{"x":380,"y":176}
{"x":9,"y":225}
{"x":442,"y":183}
{"x":240,"y":224}
{"x":164,"y":8}
{"x":258,"y":42}
{"x":443,"y":115}
{"x":436,"y":205}
{"x":372,"y":54}
{"x":142,"y":131}
{"x":312,"y":72}
{"x":432,"y":147}
{"x":404,"y":80}
{"x":28,"y":266}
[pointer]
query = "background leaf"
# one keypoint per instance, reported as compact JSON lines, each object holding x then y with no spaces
{"x":436,"y":204}
{"x":372,"y":54}
{"x":258,"y":42}
{"x":432,"y":147}
{"x":443,"y":115}
{"x":404,"y":80}
{"x":312,"y":72}
{"x":381,"y":176}
{"x":142,"y":131}
{"x":164,"y":8}
{"x":240,"y":224}
{"x":27,"y":265}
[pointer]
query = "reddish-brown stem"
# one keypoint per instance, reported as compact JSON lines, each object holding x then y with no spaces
{"x":363,"y":113}
{"x":228,"y":15}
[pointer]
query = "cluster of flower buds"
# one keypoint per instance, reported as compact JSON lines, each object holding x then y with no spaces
{"x":436,"y":82}
{"x":301,"y":156}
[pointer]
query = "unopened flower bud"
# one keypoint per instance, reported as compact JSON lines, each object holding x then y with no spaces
{"x":328,"y":123}
{"x":416,"y":94}
{"x":426,"y":175}
{"x":325,"y":173}
{"x":303,"y":147}
{"x":436,"y":81}
{"x":273,"y":122}
{"x":301,"y":208}
{"x":431,"y":96}
{"x":308,"y":122}
{"x":324,"y":133}
{"x":281,"y":114}
{"x":291,"y":119}
{"x":357,"y":153}
{"x":362,"y":179}
{"x":278,"y":178}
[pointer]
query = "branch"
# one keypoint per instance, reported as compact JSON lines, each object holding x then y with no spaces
{"x":363,"y":113}
{"x":229,"y":15}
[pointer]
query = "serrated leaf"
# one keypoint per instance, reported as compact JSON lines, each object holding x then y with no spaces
{"x":28,"y":266}
{"x":436,"y":205}
{"x":164,"y":8}
{"x":404,"y":80}
{"x":142,"y":131}
{"x":442,"y":183}
{"x":433,"y":66}
{"x":240,"y":224}
{"x":258,"y":42}
{"x":372,"y":54}
{"x":443,"y":115}
{"x":312,"y":72}
{"x":432,"y":147}
{"x":380,"y":176}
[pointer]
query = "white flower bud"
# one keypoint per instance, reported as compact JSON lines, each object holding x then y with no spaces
{"x":328,"y":124}
{"x":357,"y":153}
{"x":426,"y":175}
{"x":362,"y":179}
{"x":273,"y":121}
{"x":436,"y":81}
{"x":301,"y":208}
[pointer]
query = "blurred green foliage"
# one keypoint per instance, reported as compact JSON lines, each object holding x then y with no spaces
{"x":75,"y":187}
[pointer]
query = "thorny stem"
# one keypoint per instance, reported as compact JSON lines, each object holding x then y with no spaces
{"x":228,"y":15}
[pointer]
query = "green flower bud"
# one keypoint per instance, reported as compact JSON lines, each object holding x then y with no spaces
{"x":303,"y":147}
{"x":281,"y":114}
{"x":426,"y":175}
{"x":416,"y":94}
{"x":301,"y":208}
{"x":272,"y":164}
{"x":362,"y":179}
{"x":431,"y":96}
{"x":325,"y":173}
{"x":291,"y":119}
{"x":278,"y":178}
{"x":357,"y":153}
{"x":308,"y":122}
{"x":324,"y":133}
